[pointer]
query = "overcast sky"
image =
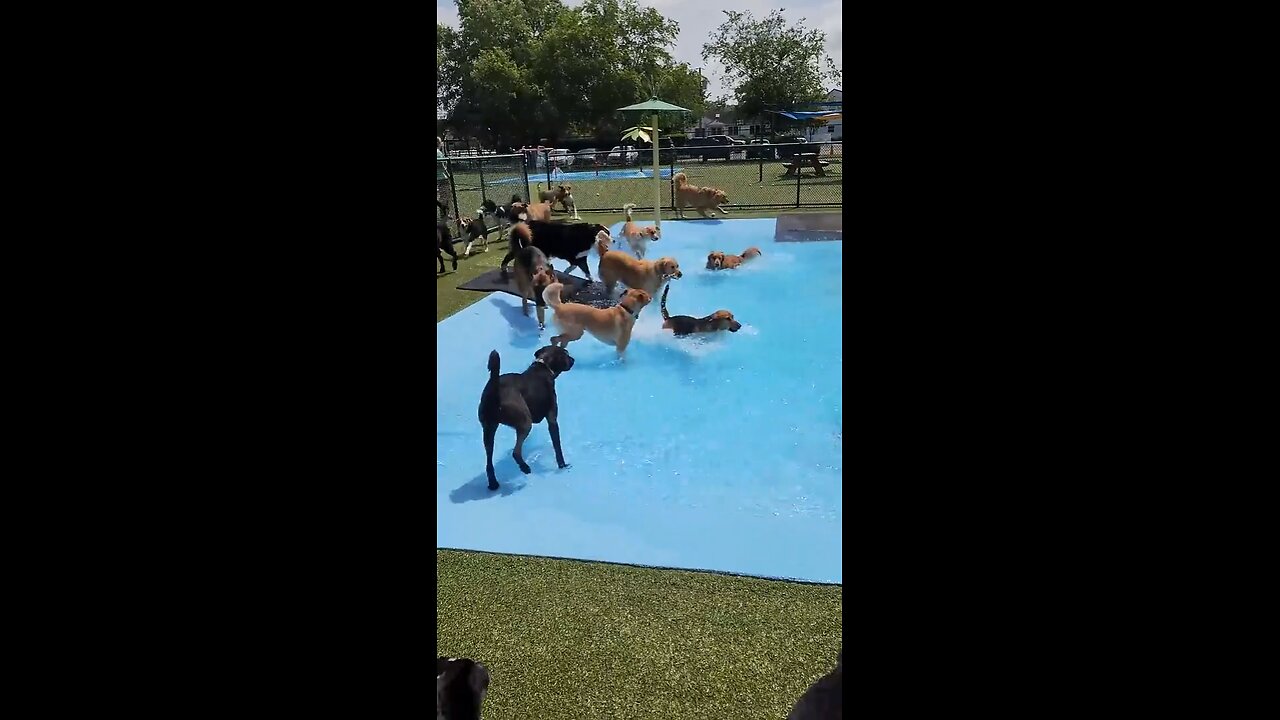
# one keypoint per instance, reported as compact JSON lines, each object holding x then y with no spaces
{"x":698,"y":18}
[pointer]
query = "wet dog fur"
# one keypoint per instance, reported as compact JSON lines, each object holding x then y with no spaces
{"x":689,"y":325}
{"x":638,"y":237}
{"x":717,"y":260}
{"x":533,"y":275}
{"x":646,"y":275}
{"x":611,"y":326}
{"x":522,"y":400}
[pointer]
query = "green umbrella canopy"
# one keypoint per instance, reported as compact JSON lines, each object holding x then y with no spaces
{"x":653,"y":105}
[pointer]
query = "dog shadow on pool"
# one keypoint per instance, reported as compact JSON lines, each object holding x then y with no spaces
{"x":524,"y":330}
{"x":510,"y":479}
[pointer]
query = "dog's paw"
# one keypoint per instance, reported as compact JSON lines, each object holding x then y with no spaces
{"x":524,"y":468}
{"x":493,"y":485}
{"x":563,"y":465}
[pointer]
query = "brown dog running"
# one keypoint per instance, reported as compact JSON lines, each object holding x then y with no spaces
{"x":646,"y":275}
{"x":717,"y":260}
{"x":563,"y":194}
{"x":699,"y":198}
{"x":688,"y":325}
{"x":611,"y":326}
{"x":537,"y":211}
{"x":533,"y":275}
{"x":637,"y":237}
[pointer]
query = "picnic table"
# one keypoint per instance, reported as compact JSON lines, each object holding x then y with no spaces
{"x":804,"y":160}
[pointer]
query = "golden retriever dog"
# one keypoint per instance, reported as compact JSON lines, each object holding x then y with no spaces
{"x":646,"y":275}
{"x":699,"y":198}
{"x":719,"y":261}
{"x":637,"y":237}
{"x":611,"y":326}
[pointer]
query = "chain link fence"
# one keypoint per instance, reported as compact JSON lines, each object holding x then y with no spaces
{"x":755,"y":175}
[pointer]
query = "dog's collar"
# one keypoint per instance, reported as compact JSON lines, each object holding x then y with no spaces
{"x":634,"y":315}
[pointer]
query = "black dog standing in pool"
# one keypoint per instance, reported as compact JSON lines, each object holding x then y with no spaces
{"x":520,"y":401}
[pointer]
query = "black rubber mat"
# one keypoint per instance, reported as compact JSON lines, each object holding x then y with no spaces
{"x":494,"y":281}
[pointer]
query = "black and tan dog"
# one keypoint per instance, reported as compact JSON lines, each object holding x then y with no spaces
{"x":688,"y":325}
{"x":533,"y":275}
{"x":520,"y":401}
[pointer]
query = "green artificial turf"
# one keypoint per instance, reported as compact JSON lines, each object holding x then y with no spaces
{"x":579,"y":641}
{"x":576,"y":641}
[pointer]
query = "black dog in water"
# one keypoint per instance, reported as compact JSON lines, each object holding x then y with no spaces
{"x":567,"y":241}
{"x":521,"y":401}
{"x":461,"y":685}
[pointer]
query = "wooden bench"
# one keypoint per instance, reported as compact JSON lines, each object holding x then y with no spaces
{"x":805,"y":160}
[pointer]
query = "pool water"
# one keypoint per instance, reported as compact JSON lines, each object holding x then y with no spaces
{"x":579,"y":176}
{"x":717,"y":453}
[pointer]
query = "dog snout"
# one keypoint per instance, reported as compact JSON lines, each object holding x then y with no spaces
{"x":735,"y":327}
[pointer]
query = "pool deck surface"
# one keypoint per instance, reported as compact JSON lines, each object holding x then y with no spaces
{"x":634,"y":492}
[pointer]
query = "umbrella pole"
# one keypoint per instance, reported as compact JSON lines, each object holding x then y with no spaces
{"x":657,"y":179}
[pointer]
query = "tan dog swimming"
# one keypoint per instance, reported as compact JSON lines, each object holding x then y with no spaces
{"x":717,"y":260}
{"x":611,"y":326}
{"x":646,"y":275}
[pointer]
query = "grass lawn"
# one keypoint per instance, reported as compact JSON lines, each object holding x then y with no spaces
{"x":575,"y":640}
{"x":579,"y":641}
{"x":746,"y":183}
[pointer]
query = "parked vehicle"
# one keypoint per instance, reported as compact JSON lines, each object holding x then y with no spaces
{"x":761,"y":149}
{"x":788,"y":146}
{"x":589,"y":156}
{"x":714,"y":146}
{"x":621,"y":155}
{"x":666,"y":148}
{"x":561,"y":157}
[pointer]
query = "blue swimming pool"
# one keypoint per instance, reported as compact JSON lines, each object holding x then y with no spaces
{"x":720,"y":453}
{"x":579,"y":176}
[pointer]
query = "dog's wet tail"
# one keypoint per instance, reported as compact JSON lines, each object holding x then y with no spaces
{"x":663,"y":305}
{"x":495,"y":364}
{"x":551,"y":295}
{"x":627,"y":209}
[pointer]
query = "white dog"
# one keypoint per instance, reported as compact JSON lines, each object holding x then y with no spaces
{"x":638,"y":237}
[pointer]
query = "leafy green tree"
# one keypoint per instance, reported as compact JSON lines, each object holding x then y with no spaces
{"x":517,"y":70}
{"x":768,"y":64}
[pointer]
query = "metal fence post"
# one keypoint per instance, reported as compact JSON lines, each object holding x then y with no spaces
{"x":798,"y":174}
{"x":671,"y":177}
{"x":480,"y":165}
{"x":546,"y":163}
{"x":761,"y":167}
{"x":453,"y":189}
{"x":524,"y":166}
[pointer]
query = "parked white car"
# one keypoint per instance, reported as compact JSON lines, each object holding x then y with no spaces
{"x":621,"y":155}
{"x":561,"y":157}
